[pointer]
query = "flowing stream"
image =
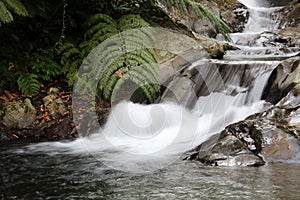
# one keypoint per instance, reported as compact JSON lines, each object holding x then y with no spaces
{"x":137,"y":154}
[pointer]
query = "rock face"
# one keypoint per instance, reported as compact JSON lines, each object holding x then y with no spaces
{"x":19,"y":114}
{"x":282,"y":80}
{"x":288,"y":16}
{"x":270,"y":136}
{"x":234,"y":14}
{"x":231,"y":11}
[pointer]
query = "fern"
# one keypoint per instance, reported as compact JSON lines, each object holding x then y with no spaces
{"x":8,"y":6}
{"x":183,"y":5}
{"x":5,"y":15}
{"x":28,"y":84}
{"x":125,"y":53}
{"x":70,"y":59}
{"x":44,"y":67}
{"x":100,"y":28}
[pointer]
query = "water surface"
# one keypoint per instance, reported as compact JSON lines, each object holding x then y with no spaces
{"x":70,"y":176}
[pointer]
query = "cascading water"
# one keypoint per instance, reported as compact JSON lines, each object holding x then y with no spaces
{"x":260,"y":16}
{"x":261,"y":23}
{"x":139,"y":138}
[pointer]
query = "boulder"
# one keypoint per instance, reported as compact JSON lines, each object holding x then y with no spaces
{"x":292,"y":34}
{"x":55,"y":106}
{"x":283,"y":78}
{"x":288,"y":16}
{"x":19,"y":115}
{"x":266,"y":137}
{"x":231,"y":11}
{"x":234,"y":14}
{"x":270,"y":136}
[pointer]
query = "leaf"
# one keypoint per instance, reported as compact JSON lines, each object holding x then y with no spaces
{"x":28,"y":84}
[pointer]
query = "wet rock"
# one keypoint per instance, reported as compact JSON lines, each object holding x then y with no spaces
{"x":19,"y":114}
{"x":292,"y":99}
{"x":58,"y":129}
{"x":231,"y":11}
{"x":283,"y":78}
{"x":286,"y":38}
{"x":278,"y":2}
{"x":266,"y":137}
{"x":289,"y":15}
{"x":216,"y":49}
{"x":236,"y":16}
{"x":292,"y":34}
{"x":270,"y":136}
{"x":227,"y":150}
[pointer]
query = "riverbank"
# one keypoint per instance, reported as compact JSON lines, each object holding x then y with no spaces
{"x":53,"y":116}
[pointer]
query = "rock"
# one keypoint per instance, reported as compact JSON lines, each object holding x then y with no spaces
{"x":270,"y":136}
{"x":292,"y":34}
{"x":283,"y":78}
{"x":231,"y":11}
{"x":236,"y":16}
{"x":278,"y":2}
{"x":55,"y":106}
{"x":288,"y":16}
{"x":215,"y":48}
{"x":227,"y":150}
{"x":292,"y":99}
{"x":19,"y":114}
{"x":266,"y":137}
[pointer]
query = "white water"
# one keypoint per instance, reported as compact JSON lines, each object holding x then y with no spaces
{"x":260,"y":16}
{"x":141,"y":138}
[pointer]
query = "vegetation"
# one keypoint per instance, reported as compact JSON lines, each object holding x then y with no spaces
{"x":43,"y":41}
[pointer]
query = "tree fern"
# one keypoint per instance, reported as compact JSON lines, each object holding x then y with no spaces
{"x":9,"y":6}
{"x":5,"y":15}
{"x":125,"y":53}
{"x":100,"y":28}
{"x":183,"y":7}
{"x":28,"y":83}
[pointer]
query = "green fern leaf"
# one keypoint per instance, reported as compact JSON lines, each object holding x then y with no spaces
{"x":28,"y":84}
{"x":5,"y":15}
{"x":17,"y":6}
{"x":100,"y":18}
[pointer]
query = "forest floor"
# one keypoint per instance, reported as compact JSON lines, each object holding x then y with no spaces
{"x":46,"y":127}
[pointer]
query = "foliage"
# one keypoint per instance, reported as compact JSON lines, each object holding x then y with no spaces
{"x":70,"y":59}
{"x":28,"y":83}
{"x":183,"y":7}
{"x":49,"y":39}
{"x":131,"y":59}
{"x":9,"y":6}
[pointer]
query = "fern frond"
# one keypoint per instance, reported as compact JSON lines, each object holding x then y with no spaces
{"x":183,"y":5}
{"x":17,"y":6}
{"x":64,"y":47}
{"x":71,"y":59}
{"x":128,"y":22}
{"x":5,"y":15}
{"x":121,"y":52}
{"x":28,"y":84}
{"x":220,"y":25}
{"x":100,"y":18}
{"x":103,"y":27}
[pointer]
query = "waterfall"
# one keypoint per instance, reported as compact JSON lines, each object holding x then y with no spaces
{"x":260,"y":16}
{"x":139,"y":138}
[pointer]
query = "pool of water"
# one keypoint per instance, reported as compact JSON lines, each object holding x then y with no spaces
{"x":70,"y":176}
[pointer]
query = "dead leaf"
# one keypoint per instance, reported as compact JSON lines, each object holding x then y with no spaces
{"x":119,"y":73}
